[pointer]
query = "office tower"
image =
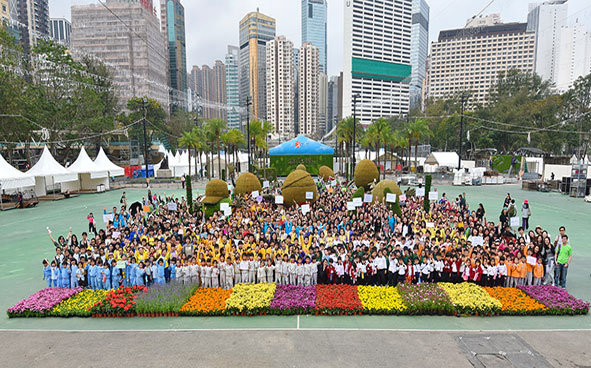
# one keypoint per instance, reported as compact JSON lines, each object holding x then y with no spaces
{"x":255,"y":30}
{"x":322,"y":104}
{"x":333,"y":103}
{"x":340,"y":98}
{"x":314,"y":14}
{"x":60,"y":30}
{"x":419,"y":50}
{"x":573,"y":56}
{"x":232,"y":88}
{"x":172,"y":23}
{"x":33,"y":19}
{"x":280,"y":86}
{"x":470,"y":59}
{"x":308,"y":89}
{"x":546,"y":19}
{"x":376,"y":65}
{"x":137,"y":58}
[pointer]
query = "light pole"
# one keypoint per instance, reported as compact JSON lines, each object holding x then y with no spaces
{"x":144,"y":102}
{"x":461,"y":131}
{"x":248,"y":103}
{"x":355,"y":97}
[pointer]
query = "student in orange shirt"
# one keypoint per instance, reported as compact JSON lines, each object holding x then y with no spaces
{"x":510,"y":265}
{"x":529,"y":269}
{"x":522,"y":270}
{"x":538,"y":272}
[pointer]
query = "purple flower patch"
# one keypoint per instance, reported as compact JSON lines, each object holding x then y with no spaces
{"x":557,"y":300}
{"x":291,"y":299}
{"x":40,"y":303}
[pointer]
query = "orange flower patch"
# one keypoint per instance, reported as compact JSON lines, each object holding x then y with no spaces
{"x":206,"y":302}
{"x":515,"y":301}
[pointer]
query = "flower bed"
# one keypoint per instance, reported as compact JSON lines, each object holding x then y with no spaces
{"x":471,"y":299}
{"x":249,"y":299}
{"x":425,"y":299}
{"x":79,"y":305}
{"x":164,"y":299}
{"x":557,"y":300}
{"x":515,"y":301}
{"x":206,"y":302}
{"x":118,"y":302}
{"x":41,"y":303}
{"x":337,"y":299}
{"x":381,"y":300}
{"x":290,"y":299}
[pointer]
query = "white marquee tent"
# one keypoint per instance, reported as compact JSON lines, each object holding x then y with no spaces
{"x":11,"y":178}
{"x":90,"y":175}
{"x":47,"y":171}
{"x":103,"y":162}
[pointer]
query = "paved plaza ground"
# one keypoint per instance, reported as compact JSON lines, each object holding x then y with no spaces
{"x":223,"y":340}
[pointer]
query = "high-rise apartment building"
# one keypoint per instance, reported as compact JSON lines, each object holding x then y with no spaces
{"x":255,"y":30}
{"x":281,"y":86}
{"x":333,"y":103}
{"x":546,"y":19}
{"x":322,"y":104}
{"x":219,"y":89}
{"x":296,"y":78}
{"x":232,"y":88}
{"x":376,"y":64}
{"x":419,"y":50}
{"x":208,"y":85}
{"x":308,"y":89}
{"x":172,"y":23}
{"x":137,"y":59}
{"x":470,"y":59}
{"x":60,"y":30}
{"x":33,"y":19}
{"x":314,"y":14}
{"x":573,"y":56}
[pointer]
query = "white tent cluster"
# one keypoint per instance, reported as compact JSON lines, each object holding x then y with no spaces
{"x":179,"y":163}
{"x":83,"y":174}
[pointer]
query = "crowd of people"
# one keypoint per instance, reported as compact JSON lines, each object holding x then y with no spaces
{"x":264,"y":242}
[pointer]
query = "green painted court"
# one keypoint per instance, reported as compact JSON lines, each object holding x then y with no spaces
{"x":24,"y":243}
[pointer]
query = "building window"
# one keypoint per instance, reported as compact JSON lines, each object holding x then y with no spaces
{"x":310,"y":11}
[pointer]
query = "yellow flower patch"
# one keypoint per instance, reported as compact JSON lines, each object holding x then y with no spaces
{"x":471,"y":298}
{"x":79,"y":305}
{"x":251,"y":298}
{"x":381,"y":299}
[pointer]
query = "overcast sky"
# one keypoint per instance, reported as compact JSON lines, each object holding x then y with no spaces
{"x":211,"y":25}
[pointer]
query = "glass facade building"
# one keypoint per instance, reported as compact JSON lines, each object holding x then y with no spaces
{"x":172,"y":14}
{"x":419,"y":50}
{"x":232,"y":88}
{"x":314,"y":14}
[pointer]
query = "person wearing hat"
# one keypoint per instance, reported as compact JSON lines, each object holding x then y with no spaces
{"x":525,"y":214}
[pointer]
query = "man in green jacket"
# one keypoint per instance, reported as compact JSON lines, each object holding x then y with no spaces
{"x":562,"y":257}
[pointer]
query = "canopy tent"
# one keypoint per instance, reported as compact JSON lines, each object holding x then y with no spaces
{"x":47,"y":171}
{"x":301,"y":150}
{"x":90,"y":175}
{"x":103,"y":162}
{"x":438,"y":160}
{"x":11,"y":178}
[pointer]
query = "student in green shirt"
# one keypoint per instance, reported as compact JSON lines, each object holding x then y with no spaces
{"x":562,"y":257}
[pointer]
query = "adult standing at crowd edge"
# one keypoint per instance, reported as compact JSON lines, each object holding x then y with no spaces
{"x":525,"y":214}
{"x":563,"y":256}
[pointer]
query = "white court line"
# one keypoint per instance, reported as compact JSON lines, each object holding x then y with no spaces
{"x":298,"y":325}
{"x":299,"y":329}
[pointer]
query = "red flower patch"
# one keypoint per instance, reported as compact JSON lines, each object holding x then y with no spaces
{"x":337,"y":299}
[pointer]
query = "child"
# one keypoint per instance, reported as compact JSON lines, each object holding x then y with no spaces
{"x":401,"y":269}
{"x":291,"y":270}
{"x":74,"y":274}
{"x":314,"y":267}
{"x":92,"y":274}
{"x":244,"y":269}
{"x":195,"y":270}
{"x":529,"y":266}
{"x":206,"y":274}
{"x":222,"y":270}
{"x":502,"y":272}
{"x":229,"y":274}
{"x":466,"y":268}
{"x":115,"y":275}
{"x":132,"y":272}
{"x":522,"y":268}
{"x":180,"y":272}
{"x":538,"y":272}
{"x":308,"y":272}
{"x":416,"y":270}
{"x":340,"y":271}
{"x":160,"y":272}
{"x":409,"y":272}
{"x":330,"y":272}
{"x":173,"y":265}
{"x":426,"y":271}
{"x":438,"y":269}
{"x":55,"y":274}
{"x":278,"y":276}
{"x":65,"y":274}
{"x":106,"y":275}
{"x":476,"y":273}
{"x":262,"y":273}
{"x":285,"y":270}
{"x":300,"y":272}
{"x":47,"y":272}
{"x":140,"y":274}
{"x":215,"y":275}
{"x":252,"y":269}
{"x":91,"y":224}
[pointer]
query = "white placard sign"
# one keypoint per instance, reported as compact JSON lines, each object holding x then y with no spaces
{"x":531,"y":260}
{"x":357,"y":202}
{"x":224,"y":206}
{"x":430,"y":224}
{"x":477,"y":240}
{"x":367,"y":198}
{"x":305,"y":208}
{"x":515,"y":221}
{"x":266,"y":184}
{"x":309,"y":195}
{"x":107,"y":218}
{"x":350,"y":206}
{"x":172,"y":206}
{"x":255,"y":194}
{"x":420,"y":192}
{"x":402,"y":198}
{"x":334,"y":183}
{"x":228,"y":212}
{"x":433,"y":196}
{"x":390,"y":197}
{"x":278,"y":199}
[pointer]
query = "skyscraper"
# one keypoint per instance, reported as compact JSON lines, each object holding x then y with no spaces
{"x":419,"y":50}
{"x":333,"y":103}
{"x":219,"y":90}
{"x":322,"y":104}
{"x":573,"y":56}
{"x":546,"y":19}
{"x":308,"y":89}
{"x":172,"y":23}
{"x":232,"y":88}
{"x":376,"y":64}
{"x":280,"y":86}
{"x":314,"y":14}
{"x":255,"y":30}
{"x":139,"y":63}
{"x":60,"y":30}
{"x":33,"y":17}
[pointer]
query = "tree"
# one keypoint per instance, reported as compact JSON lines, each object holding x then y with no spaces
{"x":378,"y":131}
{"x":232,"y":139}
{"x":345,"y":134}
{"x":216,"y":128}
{"x":417,"y":130}
{"x":188,"y":140}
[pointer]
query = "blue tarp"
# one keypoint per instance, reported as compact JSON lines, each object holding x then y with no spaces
{"x":301,"y":145}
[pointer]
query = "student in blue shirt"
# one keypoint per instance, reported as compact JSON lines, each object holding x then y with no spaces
{"x":99,"y":274}
{"x":115,"y":275}
{"x":173,"y":265}
{"x":65,"y":273}
{"x":106,"y":275}
{"x":47,"y":272}
{"x":92,"y":274}
{"x":74,"y":274}
{"x":126,"y":272}
{"x":132,"y":273}
{"x":55,"y":274}
{"x":160,"y":272}
{"x":140,"y":273}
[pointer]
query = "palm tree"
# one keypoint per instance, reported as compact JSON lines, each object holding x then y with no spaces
{"x":187,"y":140}
{"x":418,"y":129}
{"x":365,"y":142}
{"x":378,"y":132}
{"x":345,"y":134}
{"x":216,"y":128}
{"x":234,"y":138}
{"x":199,"y":144}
